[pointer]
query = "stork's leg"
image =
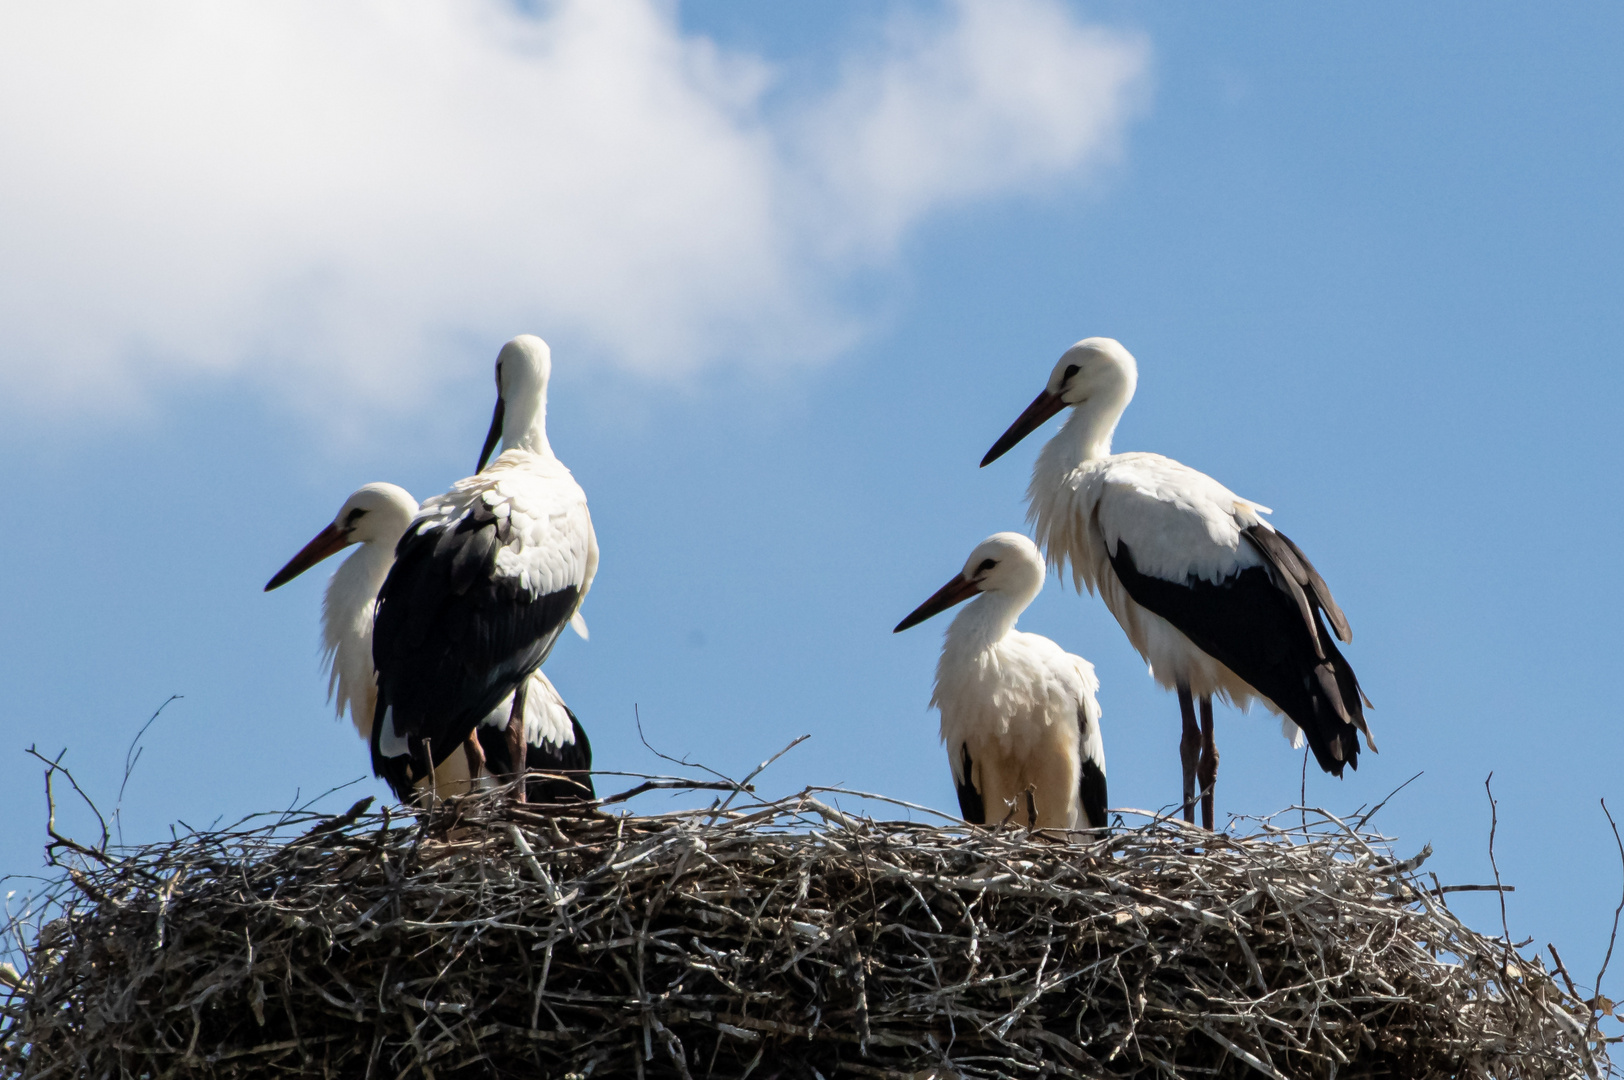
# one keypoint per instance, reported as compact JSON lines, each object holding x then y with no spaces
{"x":515,"y":738}
{"x":1189,"y":751}
{"x":1207,"y":772}
{"x":475,"y":754}
{"x":428,"y":763}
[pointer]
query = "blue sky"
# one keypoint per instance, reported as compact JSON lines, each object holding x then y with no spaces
{"x":813,"y":262}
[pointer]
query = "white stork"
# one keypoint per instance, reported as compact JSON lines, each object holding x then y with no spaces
{"x":1019,"y":719}
{"x":375,"y":517}
{"x":1216,"y":600}
{"x":484,"y":580}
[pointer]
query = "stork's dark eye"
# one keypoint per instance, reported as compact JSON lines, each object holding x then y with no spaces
{"x":353,"y":516}
{"x":986,"y":564}
{"x":1071,"y":369}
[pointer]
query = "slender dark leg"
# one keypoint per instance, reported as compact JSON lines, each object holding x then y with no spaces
{"x":515,"y":739}
{"x":1207,"y":772}
{"x":1189,"y":751}
{"x":428,"y":763}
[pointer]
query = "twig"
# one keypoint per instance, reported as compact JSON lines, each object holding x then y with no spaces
{"x":337,"y":823}
{"x":1494,"y":823}
{"x":637,"y":718}
{"x":759,"y":769}
{"x":135,"y":750}
{"x":52,"y":767}
{"x":1613,"y":937}
{"x":665,"y":784}
{"x":1562,"y":969}
{"x":1360,"y":824}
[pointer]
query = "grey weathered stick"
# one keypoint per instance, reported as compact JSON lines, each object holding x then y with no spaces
{"x":1494,"y":824}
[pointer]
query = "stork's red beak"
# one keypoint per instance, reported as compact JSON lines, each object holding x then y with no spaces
{"x":1043,"y":406}
{"x":492,"y":437}
{"x":329,"y":540}
{"x":956,"y":591}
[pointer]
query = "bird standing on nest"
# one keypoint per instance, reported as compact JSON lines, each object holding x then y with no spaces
{"x":485,"y":579}
{"x":1215,"y":599}
{"x":1019,"y":719}
{"x":375,"y":517}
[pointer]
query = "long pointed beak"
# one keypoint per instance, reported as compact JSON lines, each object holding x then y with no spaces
{"x":1043,"y":406}
{"x":956,"y":591}
{"x":492,"y":437}
{"x":329,"y":540}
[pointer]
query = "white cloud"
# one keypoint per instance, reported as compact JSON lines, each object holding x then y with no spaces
{"x":324,"y":195}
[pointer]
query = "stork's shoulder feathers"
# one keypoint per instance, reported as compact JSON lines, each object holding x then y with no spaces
{"x":1071,"y":673}
{"x":546,"y":540}
{"x":1180,"y":523}
{"x":1019,"y":676}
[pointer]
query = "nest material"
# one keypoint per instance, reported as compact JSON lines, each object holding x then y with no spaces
{"x":782,"y":939}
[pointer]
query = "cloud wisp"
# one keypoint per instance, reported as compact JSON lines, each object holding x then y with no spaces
{"x":324,"y":197}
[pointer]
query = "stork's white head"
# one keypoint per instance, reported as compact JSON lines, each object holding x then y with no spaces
{"x":375,"y":514}
{"x":1005,"y":564}
{"x":1096,"y":375}
{"x":522,"y":369}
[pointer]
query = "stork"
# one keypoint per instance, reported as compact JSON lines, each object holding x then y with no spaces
{"x":485,"y":578}
{"x":1019,"y":719}
{"x":375,"y":517}
{"x":1216,"y":600}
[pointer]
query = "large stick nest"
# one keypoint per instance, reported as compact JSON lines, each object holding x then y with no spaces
{"x":781,"y":939}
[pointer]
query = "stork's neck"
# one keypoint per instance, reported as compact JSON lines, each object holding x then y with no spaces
{"x":353,"y":590}
{"x":524,"y":425}
{"x":1086,"y":434}
{"x":986,"y":620}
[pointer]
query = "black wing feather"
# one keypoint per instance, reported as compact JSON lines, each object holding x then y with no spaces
{"x":971,"y":807}
{"x":1322,"y":591}
{"x":1091,"y":789}
{"x":451,"y":639}
{"x":1091,"y":781}
{"x":1254,"y":624}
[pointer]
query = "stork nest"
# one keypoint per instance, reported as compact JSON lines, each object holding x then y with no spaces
{"x":483,"y":938}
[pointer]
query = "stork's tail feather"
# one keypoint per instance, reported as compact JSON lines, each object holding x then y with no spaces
{"x":400,"y":773}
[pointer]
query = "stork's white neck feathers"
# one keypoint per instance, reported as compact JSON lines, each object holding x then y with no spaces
{"x":1086,"y":435}
{"x":525,"y":365}
{"x":988,"y":619}
{"x":1096,"y":378}
{"x":524,"y":426}
{"x":375,"y":518}
{"x":346,"y":630}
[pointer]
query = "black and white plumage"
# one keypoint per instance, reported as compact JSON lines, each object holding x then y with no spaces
{"x":1215,"y":599}
{"x":485,"y":579}
{"x":374,"y":518}
{"x":1019,"y":717}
